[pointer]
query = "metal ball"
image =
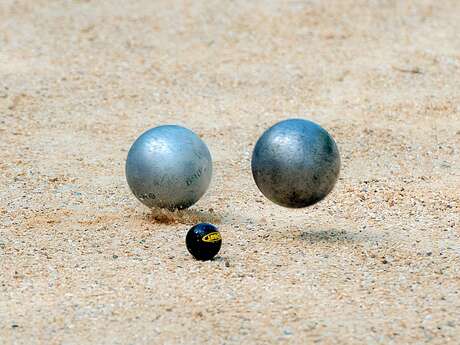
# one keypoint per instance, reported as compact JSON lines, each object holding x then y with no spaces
{"x":169,"y":167}
{"x":295,"y":163}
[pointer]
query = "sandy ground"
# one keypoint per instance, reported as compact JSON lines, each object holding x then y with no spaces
{"x":83,"y":262}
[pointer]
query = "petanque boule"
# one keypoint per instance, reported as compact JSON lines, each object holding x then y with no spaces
{"x":168,"y":167}
{"x":295,"y":163}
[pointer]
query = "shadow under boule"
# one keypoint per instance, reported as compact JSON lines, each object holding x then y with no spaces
{"x":330,"y":236}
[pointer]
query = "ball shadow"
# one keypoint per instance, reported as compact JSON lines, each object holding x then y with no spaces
{"x":187,"y":216}
{"x":330,"y":236}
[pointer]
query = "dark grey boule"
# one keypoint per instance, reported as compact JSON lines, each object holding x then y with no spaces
{"x":295,"y":163}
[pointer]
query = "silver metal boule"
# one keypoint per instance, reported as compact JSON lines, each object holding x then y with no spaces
{"x":169,"y":167}
{"x":295,"y":163}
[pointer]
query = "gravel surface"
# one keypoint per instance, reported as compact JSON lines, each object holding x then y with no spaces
{"x":83,"y":262}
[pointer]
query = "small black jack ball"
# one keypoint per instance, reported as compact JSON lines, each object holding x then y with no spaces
{"x":203,"y":241}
